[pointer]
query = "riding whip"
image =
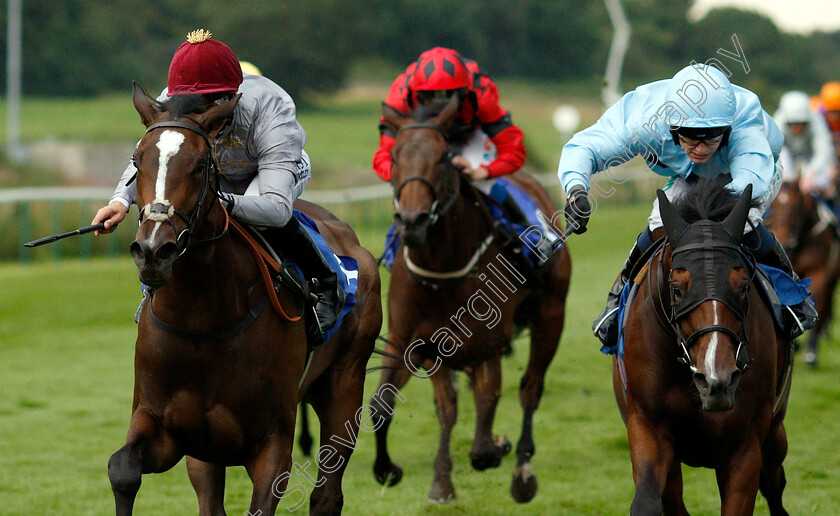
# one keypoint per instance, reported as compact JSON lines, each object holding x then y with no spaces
{"x":558,"y":244}
{"x":51,"y":239}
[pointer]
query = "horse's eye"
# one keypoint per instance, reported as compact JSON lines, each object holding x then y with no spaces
{"x":676,"y":293}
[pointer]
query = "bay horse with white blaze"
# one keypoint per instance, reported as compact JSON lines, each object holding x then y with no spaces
{"x":456,"y":300}
{"x":706,"y":371}
{"x":810,"y":239}
{"x":218,"y":375}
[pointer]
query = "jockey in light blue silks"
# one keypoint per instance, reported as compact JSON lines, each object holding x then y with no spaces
{"x":696,"y":124}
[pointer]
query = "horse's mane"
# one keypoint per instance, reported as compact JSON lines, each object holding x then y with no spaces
{"x":180,"y":105}
{"x":709,"y":199}
{"x":424,"y":112}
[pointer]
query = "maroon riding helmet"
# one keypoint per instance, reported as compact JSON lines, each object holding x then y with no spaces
{"x":202,"y":65}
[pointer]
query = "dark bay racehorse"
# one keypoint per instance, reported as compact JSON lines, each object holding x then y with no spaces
{"x":455,"y":299}
{"x":814,"y":250}
{"x":707,"y":373}
{"x":218,"y":375}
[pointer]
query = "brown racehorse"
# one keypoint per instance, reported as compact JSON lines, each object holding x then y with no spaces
{"x":814,"y":249}
{"x":707,"y":374}
{"x":217,"y":377}
{"x":455,"y":300}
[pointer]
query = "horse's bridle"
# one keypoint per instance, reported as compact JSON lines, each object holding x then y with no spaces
{"x":163,"y":211}
{"x":438,"y":208}
{"x":673,"y":316}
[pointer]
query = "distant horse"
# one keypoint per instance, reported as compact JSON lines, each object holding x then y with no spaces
{"x":814,"y":249}
{"x":707,"y":374}
{"x":456,"y":295}
{"x":218,"y":375}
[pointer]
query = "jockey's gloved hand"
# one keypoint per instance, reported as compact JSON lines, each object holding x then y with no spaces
{"x":227,"y":200}
{"x":578,"y":209}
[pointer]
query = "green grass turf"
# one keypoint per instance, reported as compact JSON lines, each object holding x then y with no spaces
{"x":66,"y":342}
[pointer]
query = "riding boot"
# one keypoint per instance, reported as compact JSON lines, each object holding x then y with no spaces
{"x":804,"y":315}
{"x":295,"y":243}
{"x":605,"y":326}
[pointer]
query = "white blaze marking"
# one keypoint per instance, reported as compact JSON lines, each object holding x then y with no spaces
{"x":711,"y":351}
{"x":169,"y":144}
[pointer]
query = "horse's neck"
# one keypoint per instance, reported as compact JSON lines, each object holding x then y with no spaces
{"x":454,"y":239}
{"x":204,"y":281}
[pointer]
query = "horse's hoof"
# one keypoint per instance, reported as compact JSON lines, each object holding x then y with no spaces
{"x":492,"y":459}
{"x":389,"y":475}
{"x":811,"y":359}
{"x":502,"y":444}
{"x":441,"y":492}
{"x":523,"y":487}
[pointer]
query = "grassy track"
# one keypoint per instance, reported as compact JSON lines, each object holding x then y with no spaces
{"x":66,"y":342}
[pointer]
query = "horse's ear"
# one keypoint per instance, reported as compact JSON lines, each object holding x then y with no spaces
{"x":447,"y":114}
{"x":393,"y":117}
{"x":214,"y":118}
{"x":737,"y":218}
{"x":672,"y":222}
{"x":143,"y":104}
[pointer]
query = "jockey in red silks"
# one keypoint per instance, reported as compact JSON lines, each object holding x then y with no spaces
{"x":486,"y":142}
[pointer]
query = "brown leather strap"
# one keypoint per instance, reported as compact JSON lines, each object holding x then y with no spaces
{"x":264,"y":260}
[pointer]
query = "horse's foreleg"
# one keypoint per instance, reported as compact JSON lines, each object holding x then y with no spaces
{"x":772,"y":481}
{"x":545,"y":336}
{"x":446,"y":404}
{"x":487,"y":450}
{"x":738,"y":480}
{"x":148,"y":449}
{"x":672,"y":497}
{"x":270,"y":472}
{"x":821,"y":298}
{"x":305,"y":439}
{"x":337,"y":399}
{"x":208,"y":481}
{"x":651,"y":455}
{"x":394,"y":376}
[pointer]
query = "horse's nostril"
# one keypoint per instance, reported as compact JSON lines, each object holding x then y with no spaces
{"x":137,"y":252}
{"x":167,"y":252}
{"x":700,"y":381}
{"x":734,"y":378}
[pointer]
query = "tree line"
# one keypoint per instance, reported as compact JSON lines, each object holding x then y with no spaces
{"x":89,"y":47}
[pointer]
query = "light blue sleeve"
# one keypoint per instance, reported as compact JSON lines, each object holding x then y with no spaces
{"x":617,"y":137}
{"x":590,"y":150}
{"x":754,"y":145}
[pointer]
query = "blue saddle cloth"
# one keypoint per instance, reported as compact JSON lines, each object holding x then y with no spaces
{"x":781,"y":288}
{"x":501,"y":190}
{"x":345,"y":267}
